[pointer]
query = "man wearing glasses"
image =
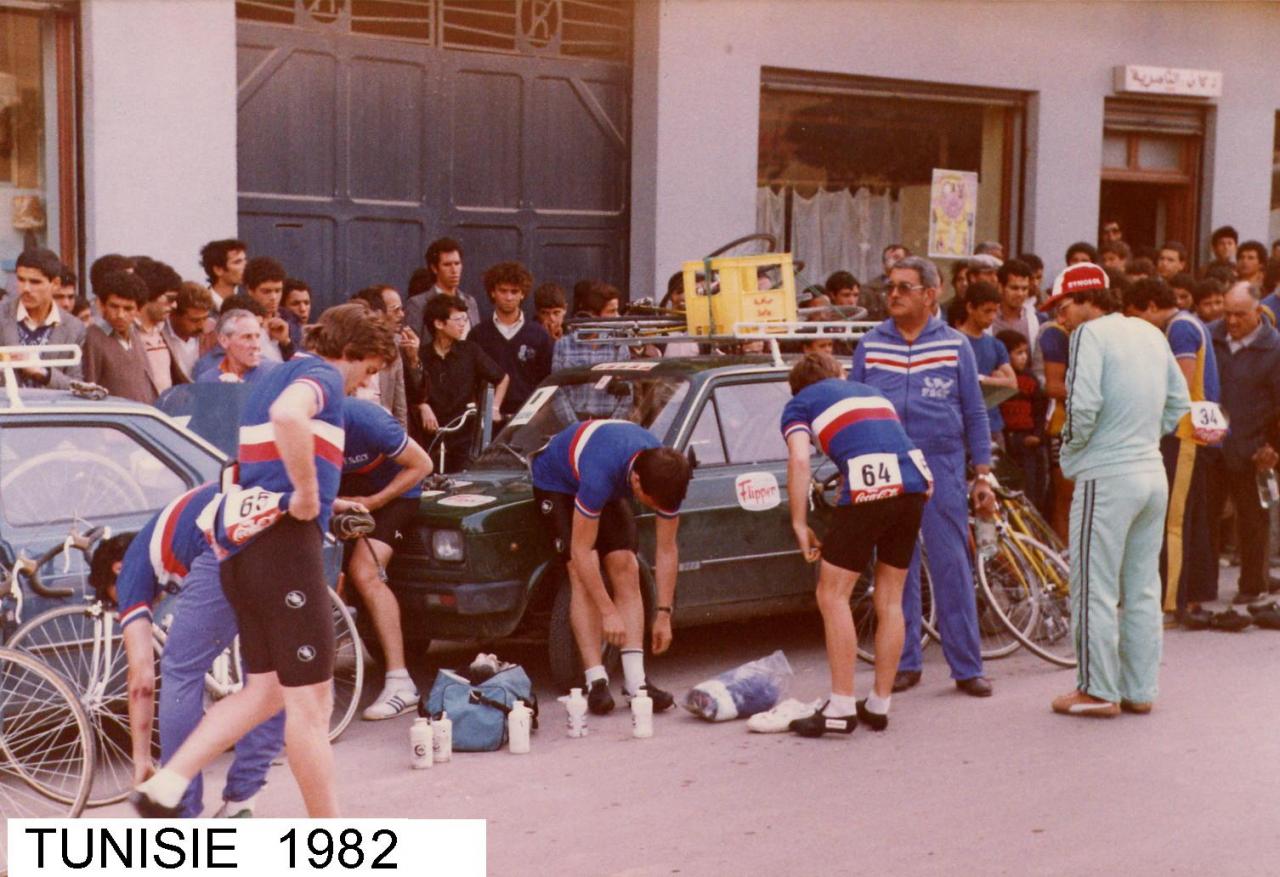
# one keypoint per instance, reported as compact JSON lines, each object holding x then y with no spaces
{"x":455,"y":372}
{"x":927,"y":370}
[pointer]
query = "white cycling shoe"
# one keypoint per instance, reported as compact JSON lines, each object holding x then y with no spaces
{"x":779,"y":719}
{"x":391,"y":703}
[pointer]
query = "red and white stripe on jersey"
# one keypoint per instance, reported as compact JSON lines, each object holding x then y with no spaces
{"x":258,"y":442}
{"x":580,"y":440}
{"x":847,"y":411}
{"x":908,"y":358}
{"x":168,"y":568}
{"x":133,"y":613}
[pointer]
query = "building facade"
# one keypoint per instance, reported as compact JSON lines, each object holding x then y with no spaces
{"x":613,"y":139}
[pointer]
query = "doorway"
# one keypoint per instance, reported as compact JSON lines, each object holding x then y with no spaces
{"x":1149,"y":213}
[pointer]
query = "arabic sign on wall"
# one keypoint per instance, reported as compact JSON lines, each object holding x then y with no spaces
{"x":1139,"y":79}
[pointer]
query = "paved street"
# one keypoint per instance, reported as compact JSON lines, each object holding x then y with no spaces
{"x":957,"y":785}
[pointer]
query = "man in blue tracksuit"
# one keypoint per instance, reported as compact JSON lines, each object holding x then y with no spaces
{"x":926,"y":369}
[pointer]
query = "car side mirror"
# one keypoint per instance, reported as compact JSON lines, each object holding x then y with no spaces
{"x":693,"y":458}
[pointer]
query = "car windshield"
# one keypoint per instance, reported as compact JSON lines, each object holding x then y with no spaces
{"x":649,"y":401}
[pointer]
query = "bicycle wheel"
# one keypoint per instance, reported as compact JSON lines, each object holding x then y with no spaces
{"x":1004,"y":599}
{"x":1043,"y":623}
{"x":46,"y":753}
{"x":83,"y":644}
{"x":864,"y":612}
{"x":348,"y":668}
{"x":1028,"y":521}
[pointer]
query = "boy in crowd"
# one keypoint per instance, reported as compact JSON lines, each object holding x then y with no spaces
{"x":1208,"y":297}
{"x":185,"y":328}
{"x":981,"y":305}
{"x":455,"y":372}
{"x":117,"y":359}
{"x":65,"y":293}
{"x":264,"y":281}
{"x":1184,"y":290}
{"x":382,"y":471}
{"x":520,"y":347}
{"x":224,"y":265}
{"x":843,"y":290}
{"x":550,"y":305}
{"x":33,"y":319}
{"x":583,"y":481}
{"x":1251,"y":261}
{"x":882,"y":495}
{"x":296,"y":301}
{"x":163,"y":284}
{"x":1023,"y":417}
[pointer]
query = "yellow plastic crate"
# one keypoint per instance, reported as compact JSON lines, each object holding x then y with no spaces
{"x":738,"y":298}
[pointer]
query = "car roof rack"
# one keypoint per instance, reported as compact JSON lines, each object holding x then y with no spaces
{"x":17,"y":357}
{"x":633,"y":331}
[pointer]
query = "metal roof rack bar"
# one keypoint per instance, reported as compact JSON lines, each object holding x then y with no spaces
{"x":33,"y":356}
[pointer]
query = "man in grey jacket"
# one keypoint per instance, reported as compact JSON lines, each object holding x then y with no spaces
{"x":32,"y":318}
{"x":1124,"y":391}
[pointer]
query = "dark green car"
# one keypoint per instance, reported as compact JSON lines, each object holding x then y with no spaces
{"x":478,"y":565}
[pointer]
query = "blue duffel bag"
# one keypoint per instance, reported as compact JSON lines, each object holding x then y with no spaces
{"x":479,"y":710}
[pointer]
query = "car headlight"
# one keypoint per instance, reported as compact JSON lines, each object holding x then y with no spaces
{"x":447,"y":545}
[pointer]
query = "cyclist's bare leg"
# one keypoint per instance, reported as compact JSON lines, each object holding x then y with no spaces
{"x":835,"y":587}
{"x":370,"y":555}
{"x":227,"y":721}
{"x":891,"y":627}
{"x":623,"y":571}
{"x":306,"y":738}
{"x":584,"y":618}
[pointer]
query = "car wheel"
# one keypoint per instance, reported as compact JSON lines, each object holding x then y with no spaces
{"x":562,"y":649}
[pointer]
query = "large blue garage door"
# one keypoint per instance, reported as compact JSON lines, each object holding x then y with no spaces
{"x":367,"y":128}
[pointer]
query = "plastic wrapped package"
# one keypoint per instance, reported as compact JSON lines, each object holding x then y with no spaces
{"x":742,"y":692}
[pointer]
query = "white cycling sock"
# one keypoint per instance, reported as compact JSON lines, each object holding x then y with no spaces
{"x":840,"y":705}
{"x":877,"y":704}
{"x":633,"y":669}
{"x":399,"y":679}
{"x":596,"y":672}
{"x":165,"y":787}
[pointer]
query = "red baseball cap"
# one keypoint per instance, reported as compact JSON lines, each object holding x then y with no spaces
{"x":1080,"y":277}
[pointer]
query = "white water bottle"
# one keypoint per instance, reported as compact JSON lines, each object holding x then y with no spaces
{"x":420,"y":744}
{"x":442,"y":738}
{"x":986,"y":536}
{"x":519,"y":723}
{"x":1268,"y":489}
{"x":576,"y":706}
{"x":642,"y":715}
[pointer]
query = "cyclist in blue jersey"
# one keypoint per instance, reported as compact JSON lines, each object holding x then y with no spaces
{"x":382,"y":471}
{"x":132,"y":571}
{"x":582,"y":481}
{"x":884,"y":484}
{"x":291,"y":439}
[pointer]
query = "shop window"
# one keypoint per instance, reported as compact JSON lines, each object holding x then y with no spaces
{"x":36,"y":136}
{"x":845,"y":165}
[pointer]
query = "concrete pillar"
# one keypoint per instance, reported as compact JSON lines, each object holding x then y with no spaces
{"x":159,"y":128}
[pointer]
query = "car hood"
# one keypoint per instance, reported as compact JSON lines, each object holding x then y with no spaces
{"x":489,"y":500}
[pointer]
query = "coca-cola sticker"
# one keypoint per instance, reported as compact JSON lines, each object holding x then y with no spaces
{"x":758,"y":491}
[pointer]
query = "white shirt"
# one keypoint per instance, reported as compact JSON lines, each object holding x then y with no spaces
{"x":509,"y":331}
{"x":1236,"y":346}
{"x":53,"y":319}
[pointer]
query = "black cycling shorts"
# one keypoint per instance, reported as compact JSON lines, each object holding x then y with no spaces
{"x":617,"y":525}
{"x":887,"y":527}
{"x":277,"y":590}
{"x":392,"y":521}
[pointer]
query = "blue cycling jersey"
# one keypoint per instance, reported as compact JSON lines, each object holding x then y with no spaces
{"x":373,"y":441}
{"x":592,"y":462}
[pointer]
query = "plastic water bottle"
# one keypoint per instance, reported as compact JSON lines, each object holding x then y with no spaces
{"x":642,"y":715}
{"x":442,"y":738}
{"x":420,"y":744}
{"x":519,"y":723}
{"x":576,"y":706}
{"x":1268,"y":489}
{"x":985,"y":533}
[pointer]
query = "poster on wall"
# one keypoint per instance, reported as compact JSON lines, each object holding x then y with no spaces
{"x":953,"y":212}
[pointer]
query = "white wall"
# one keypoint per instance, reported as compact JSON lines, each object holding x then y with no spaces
{"x":695,"y":173}
{"x":159,"y":128}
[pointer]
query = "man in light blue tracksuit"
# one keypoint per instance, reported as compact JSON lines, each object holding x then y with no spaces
{"x":927,"y":370}
{"x":1124,"y":391}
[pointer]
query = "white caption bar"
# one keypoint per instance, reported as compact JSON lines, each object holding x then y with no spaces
{"x":55,"y":847}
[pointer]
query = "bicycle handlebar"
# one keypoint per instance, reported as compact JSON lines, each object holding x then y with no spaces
{"x":30,"y":568}
{"x":458,"y":422}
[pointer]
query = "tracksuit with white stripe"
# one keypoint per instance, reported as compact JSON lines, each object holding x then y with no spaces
{"x":1124,"y":391}
{"x":933,"y":384}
